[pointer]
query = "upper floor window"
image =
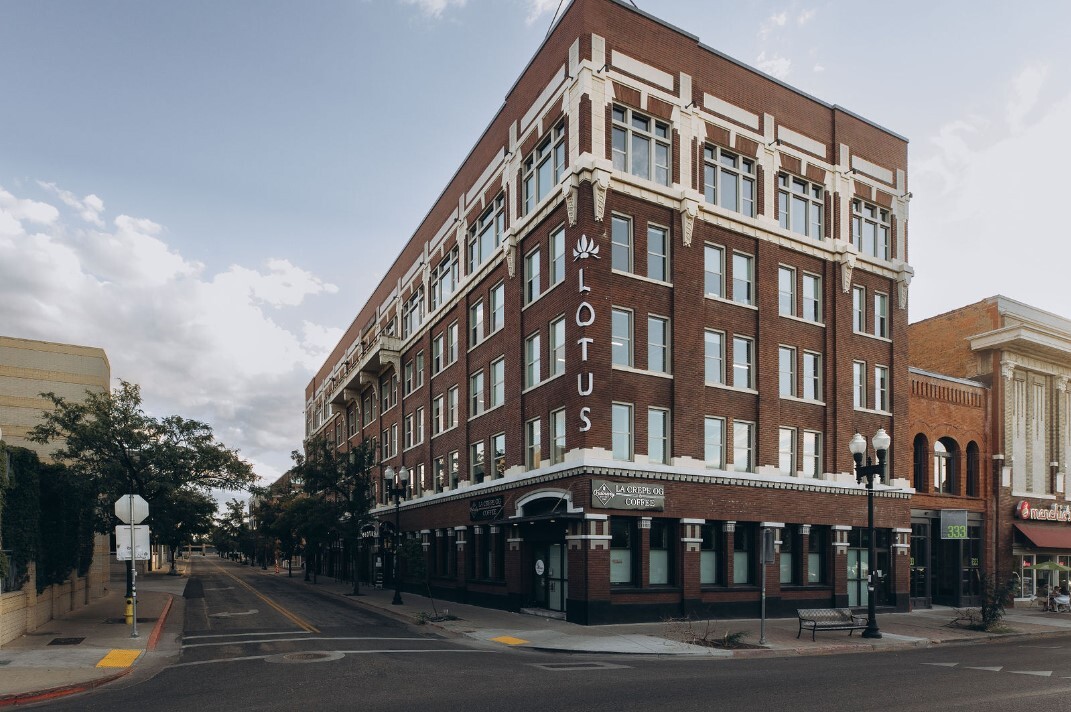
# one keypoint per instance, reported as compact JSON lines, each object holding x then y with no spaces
{"x":713,"y":271}
{"x":812,"y":376}
{"x":451,"y":343}
{"x":881,"y":314}
{"x":713,"y":357}
{"x":786,"y":368}
{"x":743,"y":278}
{"x":544,"y":167}
{"x":657,"y":344}
{"x":557,"y":435}
{"x":388,"y":387}
{"x":658,"y":435}
{"x":812,"y":297}
{"x":641,"y":145}
{"x":533,"y":444}
{"x":476,"y":328}
{"x":413,"y":313}
{"x":714,"y":441}
{"x":498,"y":382}
{"x":476,"y":401}
{"x":786,"y":451}
{"x":486,"y":235}
{"x":859,"y":384}
{"x":621,"y":243}
{"x":800,"y":204}
{"x":786,"y":291}
{"x":812,"y":453}
{"x":532,"y":360}
{"x":532,"y":283}
{"x":743,"y":446}
{"x":870,"y":229}
{"x":621,"y":337}
{"x":444,"y":279}
{"x":858,"y":309}
{"x":621,"y":431}
{"x":557,"y":346}
{"x":881,"y":388}
{"x":729,"y":180}
{"x":497,"y":301}
{"x":743,"y":362}
{"x":658,"y":253}
{"x":557,"y":256}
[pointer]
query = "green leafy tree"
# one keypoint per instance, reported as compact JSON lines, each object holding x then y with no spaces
{"x":184,"y":515}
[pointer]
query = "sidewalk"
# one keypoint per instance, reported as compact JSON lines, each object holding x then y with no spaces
{"x":91,"y":646}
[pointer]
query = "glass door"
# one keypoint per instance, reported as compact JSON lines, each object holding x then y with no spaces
{"x":550,"y":577}
{"x":858,"y":571}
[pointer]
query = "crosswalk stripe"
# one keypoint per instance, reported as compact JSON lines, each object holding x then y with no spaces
{"x":1037,"y":673}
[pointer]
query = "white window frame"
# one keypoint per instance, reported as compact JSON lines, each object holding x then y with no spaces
{"x":557,"y":256}
{"x":533,"y":281}
{"x":452,"y":399}
{"x":558,"y":436}
{"x":786,"y":451}
{"x":786,"y":290}
{"x":859,"y":309}
{"x":622,"y":431}
{"x":496,"y":303}
{"x":881,"y":388}
{"x":477,"y":323}
{"x":621,"y":343}
{"x":477,"y":402}
{"x":722,"y":168}
{"x":498,"y":382}
{"x":657,"y":324}
{"x":859,"y":384}
{"x":715,"y":361}
{"x":812,"y":453}
{"x":658,"y":417}
{"x":628,"y":133}
{"x":871,"y":229}
{"x":745,"y":366}
{"x":533,"y":444}
{"x":658,"y":262}
{"x":743,"y":446}
{"x":714,"y":447}
{"x":544,"y":167}
{"x":713,"y":255}
{"x":881,"y":315}
{"x":486,"y":235}
{"x":812,"y":304}
{"x":796,"y":196}
{"x":621,"y":243}
{"x":533,"y":360}
{"x":786,"y":371}
{"x":744,"y":287}
{"x":556,"y":334}
{"x":812,"y":376}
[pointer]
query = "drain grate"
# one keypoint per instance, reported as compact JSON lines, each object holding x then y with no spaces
{"x":587,"y":665}
{"x":66,"y":641}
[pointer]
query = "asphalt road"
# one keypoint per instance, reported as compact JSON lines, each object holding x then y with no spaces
{"x":284,"y":647}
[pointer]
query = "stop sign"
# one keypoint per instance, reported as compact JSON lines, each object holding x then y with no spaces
{"x":131,"y":509}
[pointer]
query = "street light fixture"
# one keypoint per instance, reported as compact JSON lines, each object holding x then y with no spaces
{"x":397,"y":484}
{"x":868,"y":471}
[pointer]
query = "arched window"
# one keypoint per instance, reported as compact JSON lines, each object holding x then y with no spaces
{"x":944,"y":466}
{"x":921,"y":452}
{"x":973,"y":479}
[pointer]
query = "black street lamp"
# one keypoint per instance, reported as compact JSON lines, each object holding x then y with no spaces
{"x":868,"y":471}
{"x":396,"y":486}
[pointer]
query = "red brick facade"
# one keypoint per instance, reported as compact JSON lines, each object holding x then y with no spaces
{"x":608,"y":71}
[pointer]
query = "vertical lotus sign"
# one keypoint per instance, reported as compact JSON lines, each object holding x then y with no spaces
{"x":585,"y":317}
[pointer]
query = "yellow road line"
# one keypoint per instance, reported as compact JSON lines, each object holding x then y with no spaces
{"x":291,"y":616}
{"x":119,"y":658}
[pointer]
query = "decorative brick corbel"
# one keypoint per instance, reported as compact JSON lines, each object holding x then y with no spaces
{"x":510,"y":245}
{"x":903,"y":281}
{"x":600,"y":183}
{"x":846,"y":266}
{"x":689,"y":211}
{"x":571,"y":192}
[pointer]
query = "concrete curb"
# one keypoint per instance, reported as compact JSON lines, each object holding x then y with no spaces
{"x":154,"y":637}
{"x":29,"y":698}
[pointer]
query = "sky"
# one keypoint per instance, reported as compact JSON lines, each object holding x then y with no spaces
{"x":210,"y":190}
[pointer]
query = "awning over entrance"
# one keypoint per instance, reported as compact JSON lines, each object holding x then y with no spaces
{"x":1044,"y":537}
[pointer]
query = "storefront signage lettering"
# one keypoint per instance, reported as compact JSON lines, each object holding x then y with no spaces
{"x":486,"y":509}
{"x":585,"y":317}
{"x":621,"y":495}
{"x":1052,"y":513}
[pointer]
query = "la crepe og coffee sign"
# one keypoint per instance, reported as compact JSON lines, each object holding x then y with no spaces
{"x":628,"y":495}
{"x":1052,"y":513}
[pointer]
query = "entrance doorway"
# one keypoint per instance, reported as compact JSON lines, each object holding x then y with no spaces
{"x":550,"y":577}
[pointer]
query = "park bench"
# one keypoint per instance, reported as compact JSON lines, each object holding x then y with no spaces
{"x":829,"y":619}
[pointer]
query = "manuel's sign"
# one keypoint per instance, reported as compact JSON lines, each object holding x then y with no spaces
{"x":627,"y":495}
{"x":1052,"y":513}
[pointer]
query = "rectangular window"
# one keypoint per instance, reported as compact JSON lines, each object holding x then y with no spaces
{"x":744,"y":553}
{"x":557,"y":346}
{"x":714,"y":442}
{"x":812,"y":298}
{"x":451,"y":407}
{"x":658,"y":253}
{"x":476,"y":325}
{"x":557,"y":434}
{"x":657,"y":344}
{"x":544,"y":167}
{"x":413,"y":313}
{"x":859,"y":384}
{"x":713,"y":271}
{"x":743,"y":362}
{"x":621,"y":337}
{"x":533,"y":445}
{"x":498,"y":451}
{"x":786,"y":370}
{"x":453,"y":467}
{"x":816,"y":555}
{"x":729,"y":180}
{"x":812,"y":453}
{"x":532,"y":360}
{"x":743,"y":446}
{"x":743,"y":279}
{"x":658,"y":436}
{"x":437,"y":354}
{"x":532,"y":283}
{"x":497,"y":303}
{"x":419,"y":367}
{"x":477,"y":469}
{"x":621,"y":427}
{"x":812,"y":376}
{"x":660,"y":562}
{"x":451,"y":343}
{"x":476,"y":397}
{"x":438,"y":415}
{"x":621,"y":243}
{"x":786,"y":451}
{"x":881,"y":388}
{"x":407,"y":379}
{"x":788,"y":560}
{"x":870,"y":229}
{"x":557,"y":256}
{"x":709,"y":570}
{"x":409,"y":431}
{"x":881,"y":315}
{"x":714,"y":357}
{"x":444,"y":280}
{"x":858,"y":310}
{"x":498,"y":382}
{"x":786,"y":291}
{"x":640,"y":145}
{"x":486,"y":235}
{"x":622,"y":545}
{"x":438,"y":474}
{"x":799,"y":206}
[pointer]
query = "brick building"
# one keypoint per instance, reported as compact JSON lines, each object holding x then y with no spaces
{"x":1023,"y":356}
{"x":532,"y":357}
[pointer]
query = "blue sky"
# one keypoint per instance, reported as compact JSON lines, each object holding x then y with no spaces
{"x":209,"y":190}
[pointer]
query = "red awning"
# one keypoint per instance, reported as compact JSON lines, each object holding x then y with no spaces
{"x":1047,"y":537}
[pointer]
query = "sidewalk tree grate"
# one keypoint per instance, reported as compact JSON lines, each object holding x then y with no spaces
{"x":66,"y":641}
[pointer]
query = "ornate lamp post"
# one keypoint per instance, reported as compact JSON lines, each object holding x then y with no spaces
{"x":868,"y":471}
{"x":396,"y":485}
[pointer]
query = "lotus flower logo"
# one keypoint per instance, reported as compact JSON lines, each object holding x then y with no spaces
{"x":585,"y":248}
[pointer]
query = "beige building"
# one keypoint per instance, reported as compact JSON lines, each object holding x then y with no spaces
{"x":29,"y":368}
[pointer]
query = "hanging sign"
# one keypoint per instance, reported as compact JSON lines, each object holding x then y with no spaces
{"x":953,"y":523}
{"x":628,"y":495}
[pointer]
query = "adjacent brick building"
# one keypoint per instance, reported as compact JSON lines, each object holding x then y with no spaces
{"x":639,"y":327}
{"x":1023,"y":356}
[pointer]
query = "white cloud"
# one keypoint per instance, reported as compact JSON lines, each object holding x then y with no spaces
{"x":434,"y":8}
{"x":538,"y":8}
{"x":1025,"y":90}
{"x":774,"y":65}
{"x":771,"y":23}
{"x":208,"y":346}
{"x":806,"y":16}
{"x":89,"y":208}
{"x":818,"y":68}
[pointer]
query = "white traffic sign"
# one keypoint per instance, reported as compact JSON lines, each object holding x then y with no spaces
{"x":131,"y":509}
{"x":140,"y":541}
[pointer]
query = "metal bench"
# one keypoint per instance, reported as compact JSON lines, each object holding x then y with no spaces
{"x":829,"y":619}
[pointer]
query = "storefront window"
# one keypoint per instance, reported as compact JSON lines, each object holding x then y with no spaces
{"x":744,"y":551}
{"x":789,"y":558}
{"x":1027,"y":581}
{"x":660,"y":561}
{"x":622,"y":541}
{"x":920,"y":555}
{"x":709,"y":571}
{"x":817,"y":546}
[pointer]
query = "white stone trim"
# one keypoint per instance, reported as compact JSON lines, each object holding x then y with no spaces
{"x":730,"y":111}
{"x":642,"y":70}
{"x":798,"y":140}
{"x":872,"y":169}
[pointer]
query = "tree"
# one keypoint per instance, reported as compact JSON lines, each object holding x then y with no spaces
{"x":183,"y":515}
{"x":342,"y":482}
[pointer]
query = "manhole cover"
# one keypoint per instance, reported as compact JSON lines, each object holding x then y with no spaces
{"x":66,"y":641}
{"x":305,"y":657}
